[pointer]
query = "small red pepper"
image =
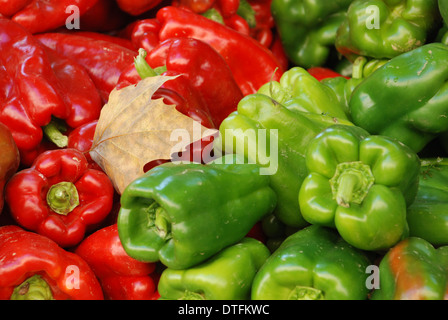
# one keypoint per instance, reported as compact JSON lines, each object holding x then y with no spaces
{"x":121,"y":277}
{"x":44,"y":15}
{"x":59,"y":197}
{"x":82,"y":139}
{"x":252,"y":64}
{"x":205,"y":69}
{"x":35,"y":268}
{"x":103,"y":60}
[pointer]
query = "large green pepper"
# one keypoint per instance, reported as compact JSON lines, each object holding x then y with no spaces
{"x":413,"y":270}
{"x":269,"y":134}
{"x":227,"y":275}
{"x":428,"y":215}
{"x":407,"y":98}
{"x":383,"y":29}
{"x":183,"y":213}
{"x":297,"y":90}
{"x":307,"y":28}
{"x":359,"y":184}
{"x":314,"y":263}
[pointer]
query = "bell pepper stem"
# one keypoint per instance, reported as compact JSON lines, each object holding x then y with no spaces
{"x":53,"y":132}
{"x":33,"y":288}
{"x":351,"y":183}
{"x":157,"y":219}
{"x":63,"y":197}
{"x":143,"y":68}
{"x":190,"y":295}
{"x":306,"y":293}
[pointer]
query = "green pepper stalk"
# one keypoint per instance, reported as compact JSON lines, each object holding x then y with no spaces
{"x":33,"y":288}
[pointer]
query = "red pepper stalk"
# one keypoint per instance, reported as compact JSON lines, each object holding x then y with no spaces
{"x":59,"y":196}
{"x":121,"y":277}
{"x":35,"y":268}
{"x":36,"y":86}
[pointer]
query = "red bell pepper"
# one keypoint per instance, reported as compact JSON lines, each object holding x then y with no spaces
{"x":205,"y":69}
{"x":251,"y":63}
{"x":121,"y":277}
{"x":81,"y":139}
{"x":137,"y":7}
{"x":36,"y":85}
{"x":143,"y":33}
{"x":103,"y":60}
{"x":34,"y":267}
{"x":59,"y":197}
{"x":42,"y":15}
{"x":9,"y":159}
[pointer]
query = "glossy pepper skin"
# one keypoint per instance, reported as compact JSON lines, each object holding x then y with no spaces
{"x":218,"y":206}
{"x":103,"y":60}
{"x":227,"y":275}
{"x":59,"y":197}
{"x":269,"y":134}
{"x":427,"y":217}
{"x":359,"y":184}
{"x":251,"y":63}
{"x":52,"y":272}
{"x":412,"y":105}
{"x":121,"y":277}
{"x":308,"y":28}
{"x":43,"y":15}
{"x":206,"y":89}
{"x":9,"y":159}
{"x":413,"y":270}
{"x":314,"y":263}
{"x":36,"y":86}
{"x":298,"y":90}
{"x":383,"y":29}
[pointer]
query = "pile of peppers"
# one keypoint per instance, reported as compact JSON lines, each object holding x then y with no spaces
{"x":329,"y":173}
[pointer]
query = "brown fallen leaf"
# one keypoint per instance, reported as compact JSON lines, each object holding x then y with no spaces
{"x":133,"y":130}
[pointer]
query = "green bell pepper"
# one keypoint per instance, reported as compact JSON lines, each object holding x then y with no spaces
{"x":413,"y":270}
{"x":428,"y":215}
{"x":314,"y":263}
{"x":269,"y":134}
{"x":343,"y":87}
{"x":297,"y":90}
{"x":307,"y":28}
{"x":183,"y":213}
{"x":383,"y":29}
{"x":359,"y":184}
{"x":227,"y":275}
{"x":407,"y":98}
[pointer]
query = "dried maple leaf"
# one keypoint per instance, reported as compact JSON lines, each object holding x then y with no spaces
{"x":133,"y":130}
